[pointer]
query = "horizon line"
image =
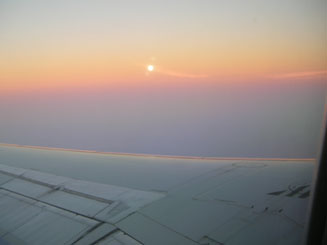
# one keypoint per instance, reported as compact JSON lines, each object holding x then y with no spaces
{"x":156,"y":155}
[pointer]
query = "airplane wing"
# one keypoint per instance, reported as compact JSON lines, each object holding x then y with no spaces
{"x":50,"y":196}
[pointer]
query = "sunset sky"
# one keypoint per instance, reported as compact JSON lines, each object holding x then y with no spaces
{"x":74,"y":74}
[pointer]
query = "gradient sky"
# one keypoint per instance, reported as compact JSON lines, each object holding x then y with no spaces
{"x":231,"y":78}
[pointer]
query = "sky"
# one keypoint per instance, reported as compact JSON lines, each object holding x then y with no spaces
{"x":230,"y":78}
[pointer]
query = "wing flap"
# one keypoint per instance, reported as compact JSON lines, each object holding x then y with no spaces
{"x":37,"y":208}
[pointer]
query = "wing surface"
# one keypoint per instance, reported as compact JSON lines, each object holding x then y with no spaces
{"x":65,"y":197}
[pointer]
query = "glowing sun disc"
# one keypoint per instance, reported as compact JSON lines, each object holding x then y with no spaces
{"x":150,"y":67}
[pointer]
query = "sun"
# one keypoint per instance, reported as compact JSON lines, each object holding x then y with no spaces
{"x":150,"y":67}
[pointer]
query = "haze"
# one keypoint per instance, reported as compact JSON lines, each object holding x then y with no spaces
{"x":230,"y":79}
